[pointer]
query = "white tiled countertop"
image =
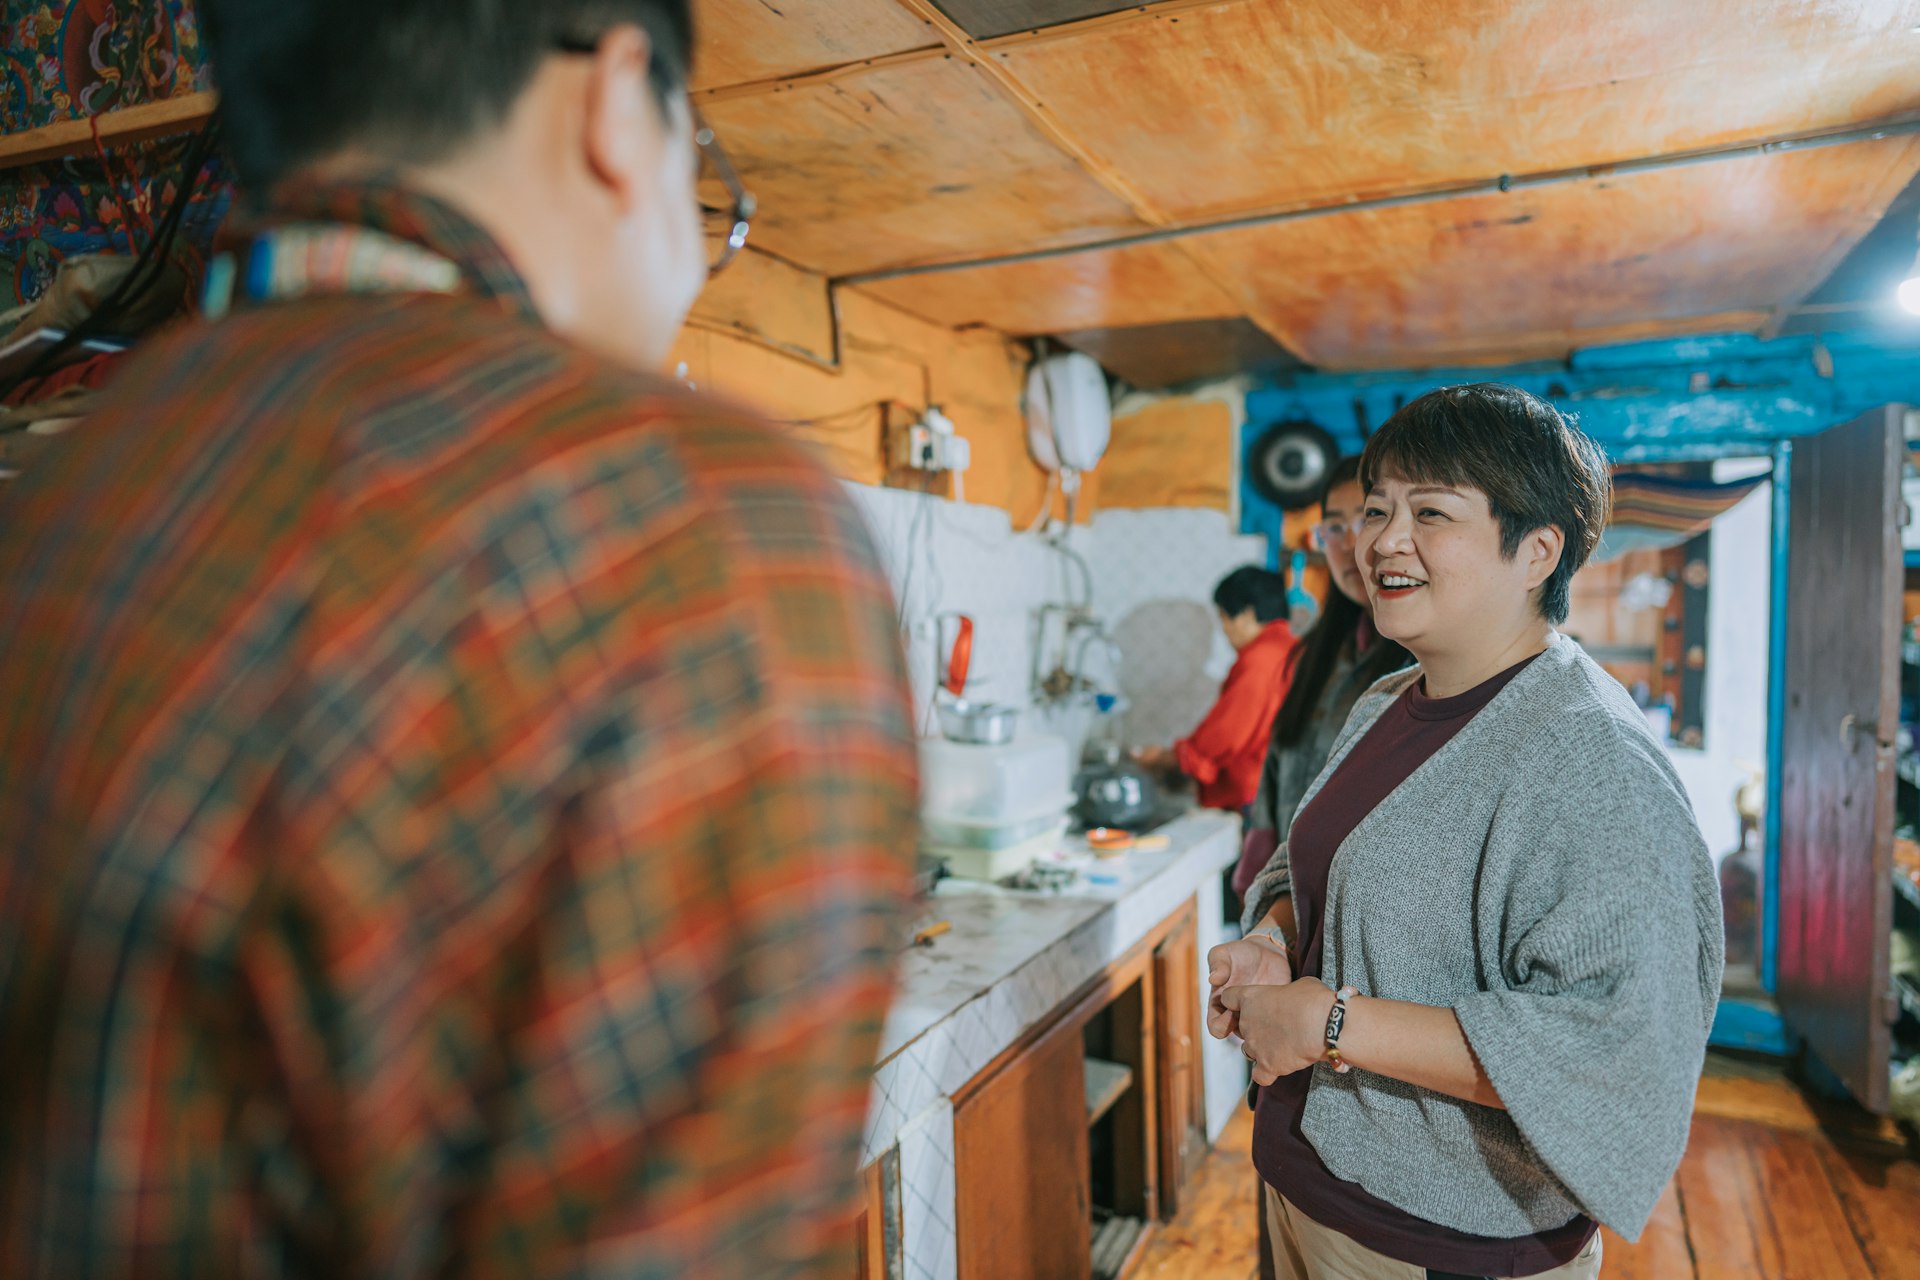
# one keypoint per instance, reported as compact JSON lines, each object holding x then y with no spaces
{"x":1011,"y":958}
{"x":1009,"y":962}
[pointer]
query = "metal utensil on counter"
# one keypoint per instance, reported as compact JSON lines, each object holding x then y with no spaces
{"x":986,"y":724}
{"x":1112,"y":790}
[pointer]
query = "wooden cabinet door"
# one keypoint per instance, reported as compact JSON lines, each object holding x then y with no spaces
{"x":1183,"y":1125}
{"x":876,"y":1231}
{"x":1021,"y":1164}
{"x":1835,"y":888}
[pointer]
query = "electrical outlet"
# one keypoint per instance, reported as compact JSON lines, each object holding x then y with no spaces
{"x":927,"y":443}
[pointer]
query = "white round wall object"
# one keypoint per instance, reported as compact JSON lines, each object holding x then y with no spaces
{"x":1069,"y":413}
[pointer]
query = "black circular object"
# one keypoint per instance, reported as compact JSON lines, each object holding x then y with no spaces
{"x":1289,"y":464}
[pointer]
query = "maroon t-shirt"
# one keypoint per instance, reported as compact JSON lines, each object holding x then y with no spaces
{"x":1400,"y":742}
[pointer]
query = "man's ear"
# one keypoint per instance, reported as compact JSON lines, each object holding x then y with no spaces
{"x":618,"y":133}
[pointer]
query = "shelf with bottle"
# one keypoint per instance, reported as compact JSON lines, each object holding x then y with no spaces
{"x":1908,"y":991}
{"x":1905,"y":887}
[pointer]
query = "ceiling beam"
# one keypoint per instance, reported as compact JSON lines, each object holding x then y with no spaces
{"x":824,"y":76}
{"x":1894,"y":126}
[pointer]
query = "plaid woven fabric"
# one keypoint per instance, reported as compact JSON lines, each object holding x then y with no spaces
{"x":456,"y":805}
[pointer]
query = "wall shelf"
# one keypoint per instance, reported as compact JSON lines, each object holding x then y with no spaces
{"x":1909,"y":993}
{"x":183,"y":114}
{"x":1905,"y":888}
{"x":1106,"y":1083}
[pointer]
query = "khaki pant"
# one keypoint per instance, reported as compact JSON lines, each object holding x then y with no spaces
{"x":1305,"y":1250}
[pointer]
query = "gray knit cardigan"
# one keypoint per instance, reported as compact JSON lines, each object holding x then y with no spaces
{"x":1543,"y":876}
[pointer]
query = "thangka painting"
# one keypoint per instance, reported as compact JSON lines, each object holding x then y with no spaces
{"x":70,"y":59}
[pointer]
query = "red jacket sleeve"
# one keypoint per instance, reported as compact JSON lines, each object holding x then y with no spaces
{"x":1242,"y":714}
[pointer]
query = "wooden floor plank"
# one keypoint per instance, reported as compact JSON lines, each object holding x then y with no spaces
{"x":1728,"y":1222}
{"x":1661,"y":1252}
{"x":1217,"y":1235}
{"x":1881,"y":1197}
{"x":1773,"y":1187}
{"x":1816,"y":1240}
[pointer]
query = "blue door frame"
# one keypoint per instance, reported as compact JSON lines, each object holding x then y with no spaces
{"x":1688,"y":399}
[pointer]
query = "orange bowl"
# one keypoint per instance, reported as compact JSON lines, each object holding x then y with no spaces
{"x":1109,"y":840}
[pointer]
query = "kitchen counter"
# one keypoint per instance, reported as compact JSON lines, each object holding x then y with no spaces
{"x":1012,"y":957}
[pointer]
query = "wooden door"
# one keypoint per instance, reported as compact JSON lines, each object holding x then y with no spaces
{"x":1183,"y":1126}
{"x":1837,"y":778}
{"x":876,"y":1231}
{"x":1021,"y":1167}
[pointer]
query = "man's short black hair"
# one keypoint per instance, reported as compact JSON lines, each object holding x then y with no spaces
{"x":409,"y":80}
{"x":1536,"y":467}
{"x":1251,"y":587}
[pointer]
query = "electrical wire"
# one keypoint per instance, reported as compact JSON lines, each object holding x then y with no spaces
{"x":1046,"y":503}
{"x":147,"y":267}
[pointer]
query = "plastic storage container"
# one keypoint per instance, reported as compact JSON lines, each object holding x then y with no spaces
{"x":965,"y":785}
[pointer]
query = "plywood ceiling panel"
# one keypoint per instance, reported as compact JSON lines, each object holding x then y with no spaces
{"x":743,"y":41}
{"x":983,"y":19}
{"x":905,"y":164}
{"x":1147,"y":284}
{"x":1163,"y":355}
{"x":1256,"y":103}
{"x":1537,"y":273}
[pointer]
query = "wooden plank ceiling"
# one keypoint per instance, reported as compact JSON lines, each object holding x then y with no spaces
{"x":881,"y":134}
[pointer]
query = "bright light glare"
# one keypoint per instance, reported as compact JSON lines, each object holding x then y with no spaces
{"x":1910,"y":294}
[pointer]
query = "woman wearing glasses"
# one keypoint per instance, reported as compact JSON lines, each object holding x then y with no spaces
{"x":1342,"y":655}
{"x":1477,"y":1000}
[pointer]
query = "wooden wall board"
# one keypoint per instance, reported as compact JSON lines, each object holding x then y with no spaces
{"x":1175,"y":453}
{"x":761,"y":297}
{"x":1145,"y":284}
{"x":1252,"y":105}
{"x":1536,"y":273}
{"x":743,"y":41}
{"x":907,"y":163}
{"x":887,"y":355}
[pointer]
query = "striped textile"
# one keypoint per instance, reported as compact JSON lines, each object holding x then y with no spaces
{"x":456,"y":809}
{"x":1653,"y":512}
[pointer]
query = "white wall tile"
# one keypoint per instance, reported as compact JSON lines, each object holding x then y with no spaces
{"x":927,"y":1203}
{"x":1154,"y":574}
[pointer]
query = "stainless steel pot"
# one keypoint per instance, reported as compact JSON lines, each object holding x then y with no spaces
{"x":986,"y":724}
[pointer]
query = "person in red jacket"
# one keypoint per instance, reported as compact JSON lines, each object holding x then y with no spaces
{"x":1224,"y":754}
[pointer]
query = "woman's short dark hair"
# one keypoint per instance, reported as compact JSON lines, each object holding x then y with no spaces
{"x":410,"y":80}
{"x":1251,"y":587}
{"x":1536,"y":467}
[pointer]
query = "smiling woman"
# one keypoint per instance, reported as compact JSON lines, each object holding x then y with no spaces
{"x":1496,"y":885}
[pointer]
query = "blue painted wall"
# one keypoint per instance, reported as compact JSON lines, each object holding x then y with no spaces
{"x":1699,"y":396}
